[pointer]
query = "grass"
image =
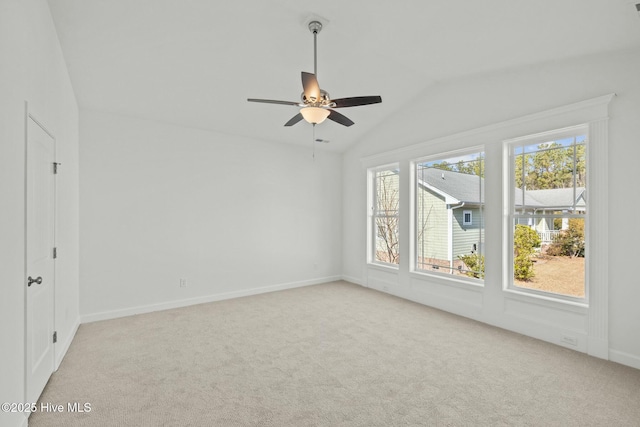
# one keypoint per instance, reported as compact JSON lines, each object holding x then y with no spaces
{"x":557,"y":274}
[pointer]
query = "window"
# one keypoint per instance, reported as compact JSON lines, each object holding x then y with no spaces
{"x":466,"y":218}
{"x":449,"y":202}
{"x":548,"y":210}
{"x":551,"y":187}
{"x":385,"y":197}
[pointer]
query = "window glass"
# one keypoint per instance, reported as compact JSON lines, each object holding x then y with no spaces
{"x":386,"y":198}
{"x":549,"y":207}
{"x":467,"y":219}
{"x":450,"y":215}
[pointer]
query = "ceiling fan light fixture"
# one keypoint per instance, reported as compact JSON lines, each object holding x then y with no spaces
{"x":314,"y":115}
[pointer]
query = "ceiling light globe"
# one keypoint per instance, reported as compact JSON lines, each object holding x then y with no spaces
{"x":314,"y":115}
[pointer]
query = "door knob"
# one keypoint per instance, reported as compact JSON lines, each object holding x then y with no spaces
{"x":37,"y":280}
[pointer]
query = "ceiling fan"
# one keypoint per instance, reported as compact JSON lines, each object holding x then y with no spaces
{"x":316,"y":104}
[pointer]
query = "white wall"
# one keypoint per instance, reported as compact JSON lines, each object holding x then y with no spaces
{"x":481,"y":100}
{"x":32,"y":69}
{"x":232,"y":215}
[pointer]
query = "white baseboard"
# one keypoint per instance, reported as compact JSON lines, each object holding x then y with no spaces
{"x":352,"y":279}
{"x":624,"y":358}
{"x":114,"y":314}
{"x":64,"y":347}
{"x":598,"y":348}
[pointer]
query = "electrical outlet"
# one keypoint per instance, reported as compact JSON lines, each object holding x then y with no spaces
{"x":566,"y":339}
{"x":183,"y":282}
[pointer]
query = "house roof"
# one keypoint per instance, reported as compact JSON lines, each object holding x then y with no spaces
{"x":456,"y":187}
{"x":551,"y":198}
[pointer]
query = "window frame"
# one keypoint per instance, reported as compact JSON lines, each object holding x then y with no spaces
{"x":414,"y":233}
{"x":467,"y":297}
{"x":512,"y":215}
{"x":372,"y":231}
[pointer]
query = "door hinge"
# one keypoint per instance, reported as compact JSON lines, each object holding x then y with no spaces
{"x":55,"y":167}
{"x":55,"y":337}
{"x":55,"y":253}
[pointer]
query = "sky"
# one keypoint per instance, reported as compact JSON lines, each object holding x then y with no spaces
{"x":565,"y":142}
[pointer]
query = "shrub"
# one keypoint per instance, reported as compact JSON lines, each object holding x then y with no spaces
{"x":525,"y":240}
{"x":475,"y":263}
{"x":569,"y":242}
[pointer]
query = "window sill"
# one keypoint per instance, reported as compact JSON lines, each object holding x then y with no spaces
{"x":447,"y":279}
{"x":555,"y":301}
{"x":391,"y":268}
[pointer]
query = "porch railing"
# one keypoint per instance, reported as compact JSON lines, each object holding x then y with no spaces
{"x":548,"y":236}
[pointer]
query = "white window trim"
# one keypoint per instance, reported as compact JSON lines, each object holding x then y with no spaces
{"x":371,"y":227}
{"x":595,"y":113}
{"x":541,"y":137}
{"x":413,"y":268}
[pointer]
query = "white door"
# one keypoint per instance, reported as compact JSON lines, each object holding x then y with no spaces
{"x":39,"y":283}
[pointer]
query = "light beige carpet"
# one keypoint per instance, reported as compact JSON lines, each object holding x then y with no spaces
{"x":329,"y":355}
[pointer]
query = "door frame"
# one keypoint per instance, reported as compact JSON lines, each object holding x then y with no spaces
{"x":29,"y":115}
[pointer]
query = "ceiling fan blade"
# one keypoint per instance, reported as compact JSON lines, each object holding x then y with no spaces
{"x":295,"y":119}
{"x":272,"y":101}
{"x":356,"y":100}
{"x":339,"y":118}
{"x":310,"y":85}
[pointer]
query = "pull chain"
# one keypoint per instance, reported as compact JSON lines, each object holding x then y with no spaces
{"x":314,"y":142}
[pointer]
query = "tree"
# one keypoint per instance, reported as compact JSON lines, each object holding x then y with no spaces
{"x":551,"y":166}
{"x":525,"y":240}
{"x":443,"y":165}
{"x":471,"y":167}
{"x":387,"y":247}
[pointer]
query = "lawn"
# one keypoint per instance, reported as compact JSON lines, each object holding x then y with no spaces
{"x":557,"y":274}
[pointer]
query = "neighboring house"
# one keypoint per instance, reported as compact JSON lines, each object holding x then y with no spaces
{"x":542,"y":202}
{"x":450,"y":220}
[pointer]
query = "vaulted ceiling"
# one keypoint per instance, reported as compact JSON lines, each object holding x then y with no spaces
{"x":195,"y":62}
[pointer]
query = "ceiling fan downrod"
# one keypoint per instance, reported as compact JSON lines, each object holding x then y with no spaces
{"x":315,"y":27}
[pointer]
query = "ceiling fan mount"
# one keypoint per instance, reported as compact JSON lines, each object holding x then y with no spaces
{"x":315,"y":27}
{"x":324,"y":100}
{"x":316,"y":104}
